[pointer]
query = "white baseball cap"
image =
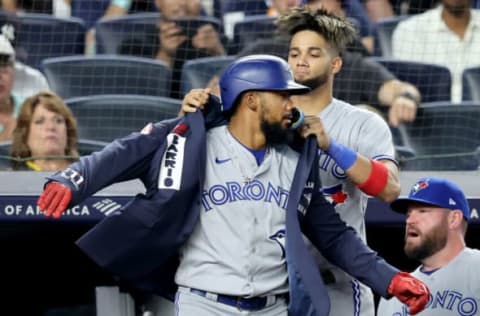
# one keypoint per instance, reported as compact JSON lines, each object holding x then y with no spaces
{"x":6,"y":48}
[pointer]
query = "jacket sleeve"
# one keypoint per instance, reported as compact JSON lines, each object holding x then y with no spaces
{"x":342,"y":246}
{"x":122,"y":160}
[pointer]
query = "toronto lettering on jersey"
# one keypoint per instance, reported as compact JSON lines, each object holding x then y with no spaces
{"x":255,"y":190}
{"x":327,"y":164}
{"x":448,"y":300}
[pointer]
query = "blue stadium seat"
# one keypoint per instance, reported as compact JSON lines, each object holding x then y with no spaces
{"x":197,"y":72}
{"x":77,"y":76}
{"x":433,"y":81}
{"x":107,"y":117}
{"x":251,"y":29}
{"x":111,"y":33}
{"x":383,"y":31}
{"x":444,"y":136}
{"x":42,"y":35}
{"x":471,"y":84}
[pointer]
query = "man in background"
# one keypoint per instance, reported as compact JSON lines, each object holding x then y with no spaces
{"x":437,"y":215}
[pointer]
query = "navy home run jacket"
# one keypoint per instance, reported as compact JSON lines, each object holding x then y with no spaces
{"x":139,"y":243}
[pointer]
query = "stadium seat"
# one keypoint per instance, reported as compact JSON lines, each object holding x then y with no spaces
{"x":108,"y":117}
{"x":197,"y":72}
{"x":251,"y":29}
{"x":471,"y":84}
{"x":383,"y":31}
{"x":77,"y":76}
{"x":111,"y":33}
{"x":433,"y":81}
{"x":444,"y":136}
{"x":41,"y":36}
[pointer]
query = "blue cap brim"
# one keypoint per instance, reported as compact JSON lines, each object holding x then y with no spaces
{"x":401,"y":205}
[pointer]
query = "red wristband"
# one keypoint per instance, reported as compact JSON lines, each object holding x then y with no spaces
{"x":377,"y":179}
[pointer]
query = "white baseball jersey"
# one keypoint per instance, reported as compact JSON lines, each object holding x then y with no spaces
{"x":367,"y":134}
{"x":454,"y":289}
{"x":237,"y":247}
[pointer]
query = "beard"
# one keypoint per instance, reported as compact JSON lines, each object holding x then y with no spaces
{"x":431,"y":242}
{"x":275,"y":134}
{"x":314,"y":83}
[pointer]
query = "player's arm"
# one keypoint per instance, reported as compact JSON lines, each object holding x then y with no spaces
{"x":343,"y":247}
{"x":375,"y":177}
{"x":124,"y":159}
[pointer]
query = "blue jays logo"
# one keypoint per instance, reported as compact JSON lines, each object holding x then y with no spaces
{"x":419,"y":186}
{"x":335,"y":194}
{"x":279,"y":238}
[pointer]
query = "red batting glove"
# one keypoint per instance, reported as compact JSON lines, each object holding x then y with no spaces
{"x":410,"y":291}
{"x":55,"y":199}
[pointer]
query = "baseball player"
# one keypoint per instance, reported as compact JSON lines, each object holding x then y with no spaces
{"x":437,"y":218}
{"x":359,"y":159}
{"x":243,"y":255}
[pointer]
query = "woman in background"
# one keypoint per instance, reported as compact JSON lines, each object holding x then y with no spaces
{"x":45,"y":138}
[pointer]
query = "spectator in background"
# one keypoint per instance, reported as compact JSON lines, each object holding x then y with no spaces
{"x":437,"y":220}
{"x":46,"y":132}
{"x":28,"y":80}
{"x":171,"y":44}
{"x":9,"y":103}
{"x":448,"y":35}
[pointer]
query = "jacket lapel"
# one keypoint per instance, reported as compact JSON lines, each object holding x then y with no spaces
{"x":308,"y":295}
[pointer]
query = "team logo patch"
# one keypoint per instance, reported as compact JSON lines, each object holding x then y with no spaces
{"x":419,"y":186}
{"x":279,"y":238}
{"x":171,"y":168}
{"x":335,"y":194}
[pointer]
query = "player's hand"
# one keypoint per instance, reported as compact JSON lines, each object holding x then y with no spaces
{"x":196,"y":98}
{"x":55,"y":199}
{"x":312,"y":125}
{"x":410,"y":291}
{"x":402,"y":110}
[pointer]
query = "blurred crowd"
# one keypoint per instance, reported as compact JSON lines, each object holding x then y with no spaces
{"x":443,"y":33}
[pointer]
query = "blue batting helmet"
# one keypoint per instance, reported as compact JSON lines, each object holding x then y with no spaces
{"x":257,"y":72}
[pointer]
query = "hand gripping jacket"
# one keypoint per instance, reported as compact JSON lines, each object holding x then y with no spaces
{"x":139,"y":243}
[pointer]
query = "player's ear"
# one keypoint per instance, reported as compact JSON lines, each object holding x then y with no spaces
{"x":455,"y":219}
{"x":251,"y":100}
{"x":336,"y":64}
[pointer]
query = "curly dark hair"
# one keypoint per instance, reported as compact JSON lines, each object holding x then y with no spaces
{"x":337,"y":31}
